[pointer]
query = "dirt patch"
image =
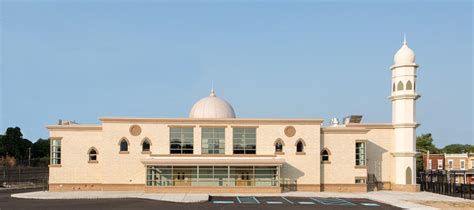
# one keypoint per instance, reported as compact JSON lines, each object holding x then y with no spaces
{"x":447,"y":204}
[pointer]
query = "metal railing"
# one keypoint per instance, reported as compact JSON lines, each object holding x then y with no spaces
{"x":443,"y":182}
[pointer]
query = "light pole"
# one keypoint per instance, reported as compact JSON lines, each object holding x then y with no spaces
{"x":427,"y":157}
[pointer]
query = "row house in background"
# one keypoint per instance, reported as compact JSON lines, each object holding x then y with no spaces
{"x":459,"y":166}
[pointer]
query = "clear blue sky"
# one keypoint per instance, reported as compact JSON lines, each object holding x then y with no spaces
{"x":81,"y":61}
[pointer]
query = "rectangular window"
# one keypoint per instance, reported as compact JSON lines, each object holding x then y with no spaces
{"x":463,"y":164}
{"x":213,"y":141}
{"x":181,"y":140}
{"x":245,"y":140}
{"x":55,"y":151}
{"x":360,"y":180}
{"x":450,"y":164}
{"x":360,"y":154}
{"x":440,"y":164}
{"x":429,"y":164}
{"x":472,"y":163}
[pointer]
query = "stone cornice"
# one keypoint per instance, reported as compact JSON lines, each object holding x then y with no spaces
{"x":406,"y":125}
{"x":343,"y":130}
{"x":74,"y":127}
{"x":404,"y":65}
{"x":404,"y":96}
{"x":403,"y":154}
{"x":371,"y":125}
{"x":235,"y":121}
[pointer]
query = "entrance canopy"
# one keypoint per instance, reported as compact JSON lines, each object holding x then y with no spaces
{"x":219,"y":160}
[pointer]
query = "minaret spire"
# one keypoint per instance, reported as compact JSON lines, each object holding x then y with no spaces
{"x":404,"y":38}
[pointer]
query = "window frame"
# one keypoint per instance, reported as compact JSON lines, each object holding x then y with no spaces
{"x":462,"y":164}
{"x":213,"y":141}
{"x":440,"y":164}
{"x":361,"y":161}
{"x":127,"y":146}
{"x":146,"y":141}
{"x":450,"y":164}
{"x":185,"y":139}
{"x":278,"y":145}
{"x":246,"y":141}
{"x":90,"y":160}
{"x":323,"y":155}
{"x":55,"y":160}
{"x":430,"y":162}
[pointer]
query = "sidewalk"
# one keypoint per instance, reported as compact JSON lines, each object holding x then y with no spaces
{"x":171,"y":197}
{"x":406,"y":200}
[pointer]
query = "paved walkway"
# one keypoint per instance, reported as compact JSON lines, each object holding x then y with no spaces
{"x":404,"y":200}
{"x":172,"y":197}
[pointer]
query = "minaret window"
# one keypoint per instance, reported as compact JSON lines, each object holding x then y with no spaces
{"x":400,"y":85}
{"x":409,"y":86}
{"x":393,"y":87}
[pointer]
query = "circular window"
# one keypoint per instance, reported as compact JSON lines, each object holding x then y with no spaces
{"x":135,"y":130}
{"x":290,"y":131}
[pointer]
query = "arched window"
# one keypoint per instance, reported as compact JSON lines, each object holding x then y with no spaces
{"x":393,"y":87}
{"x":325,"y":155}
{"x":123,"y":145}
{"x":400,"y":85}
{"x":409,"y":86}
{"x":279,"y":145}
{"x":146,"y":145}
{"x":92,"y":154}
{"x":300,"y":146}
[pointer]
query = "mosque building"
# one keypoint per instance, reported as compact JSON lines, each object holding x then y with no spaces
{"x":214,"y":151}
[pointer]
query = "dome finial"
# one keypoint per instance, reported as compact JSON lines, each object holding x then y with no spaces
{"x":213,"y":94}
{"x":404,"y":39}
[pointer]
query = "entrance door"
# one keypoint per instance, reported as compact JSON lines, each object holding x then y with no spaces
{"x":243,"y":178}
{"x":182,"y":178}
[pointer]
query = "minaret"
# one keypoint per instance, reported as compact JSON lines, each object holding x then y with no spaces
{"x":403,"y":99}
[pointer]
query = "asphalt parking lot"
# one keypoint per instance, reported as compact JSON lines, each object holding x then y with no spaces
{"x":228,"y":203}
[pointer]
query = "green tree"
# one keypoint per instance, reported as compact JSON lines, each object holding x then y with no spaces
{"x":40,"y":148}
{"x":425,"y":142}
{"x":10,"y":141}
{"x":458,"y":148}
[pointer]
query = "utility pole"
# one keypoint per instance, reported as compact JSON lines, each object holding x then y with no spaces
{"x":29,"y":156}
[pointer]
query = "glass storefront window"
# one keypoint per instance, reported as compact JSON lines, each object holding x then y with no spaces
{"x":212,"y":176}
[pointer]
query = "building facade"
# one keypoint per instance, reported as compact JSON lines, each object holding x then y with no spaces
{"x":213,"y":151}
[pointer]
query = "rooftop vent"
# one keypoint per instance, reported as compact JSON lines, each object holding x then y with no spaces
{"x":67,"y":122}
{"x":352,"y":119}
{"x":334,"y":122}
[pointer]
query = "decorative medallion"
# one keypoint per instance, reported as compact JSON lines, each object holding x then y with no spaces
{"x":135,"y":130}
{"x":290,"y":131}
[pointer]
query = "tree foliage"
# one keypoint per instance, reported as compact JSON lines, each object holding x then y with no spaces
{"x":425,"y":143}
{"x":40,"y":148}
